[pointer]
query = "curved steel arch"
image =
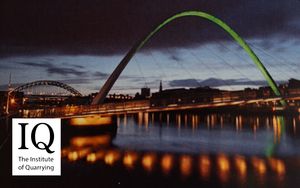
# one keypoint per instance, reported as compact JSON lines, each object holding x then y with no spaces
{"x":114,"y":76}
{"x":50,"y":83}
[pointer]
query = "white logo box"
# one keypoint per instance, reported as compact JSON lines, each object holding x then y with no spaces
{"x":42,"y":158}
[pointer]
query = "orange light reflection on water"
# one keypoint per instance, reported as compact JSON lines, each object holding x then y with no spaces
{"x":204,"y":166}
{"x":79,"y":154}
{"x":148,"y":161}
{"x":64,"y":152}
{"x":223,"y":167}
{"x":73,"y":156}
{"x":277,"y":129}
{"x":91,"y":157}
{"x":111,"y":157}
{"x":91,"y":121}
{"x":130,"y":159}
{"x":167,"y":163}
{"x":260,"y":166}
{"x":277,"y":166}
{"x":241,"y":166}
{"x":91,"y":141}
{"x":186,"y":162}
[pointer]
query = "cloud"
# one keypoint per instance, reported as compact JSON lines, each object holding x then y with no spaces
{"x":113,"y":26}
{"x":69,"y":72}
{"x":74,"y":66}
{"x":76,"y":81}
{"x":65,"y":71}
{"x":132,"y":78}
{"x":43,"y":65}
{"x":184,"y":83}
{"x":5,"y":67}
{"x":51,"y":68}
{"x":175,"y":57}
{"x":101,"y":75}
{"x":296,"y":42}
{"x":215,"y":82}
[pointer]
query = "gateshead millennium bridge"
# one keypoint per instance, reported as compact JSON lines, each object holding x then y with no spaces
{"x":116,"y":73}
{"x":97,"y":106}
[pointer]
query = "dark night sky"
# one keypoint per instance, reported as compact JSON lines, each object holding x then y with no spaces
{"x":111,"y":26}
{"x":108,"y":28}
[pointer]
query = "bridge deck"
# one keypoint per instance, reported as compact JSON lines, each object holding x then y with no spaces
{"x":133,"y":107}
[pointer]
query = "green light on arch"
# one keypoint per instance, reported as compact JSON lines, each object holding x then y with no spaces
{"x":111,"y":80}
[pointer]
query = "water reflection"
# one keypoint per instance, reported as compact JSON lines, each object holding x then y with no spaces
{"x":204,"y":167}
{"x":130,"y":159}
{"x":223,"y":167}
{"x":260,"y":167}
{"x":277,"y":129}
{"x":219,"y":147}
{"x":239,"y":166}
{"x":91,"y":157}
{"x":277,"y":166}
{"x":148,"y":161}
{"x":167,"y":161}
{"x":209,"y":120}
{"x":186,"y":163}
{"x":81,"y":141}
{"x":111,"y":157}
{"x":78,"y":154}
{"x":91,"y":121}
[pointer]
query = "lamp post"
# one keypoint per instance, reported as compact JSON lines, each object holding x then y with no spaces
{"x":7,"y":102}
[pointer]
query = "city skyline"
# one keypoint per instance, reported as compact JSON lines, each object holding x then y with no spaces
{"x":196,"y":54}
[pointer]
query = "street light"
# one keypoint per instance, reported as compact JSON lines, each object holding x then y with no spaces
{"x":7,"y":101}
{"x":12,"y":101}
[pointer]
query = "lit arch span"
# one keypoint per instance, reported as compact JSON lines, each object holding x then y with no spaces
{"x":50,"y":83}
{"x":114,"y":76}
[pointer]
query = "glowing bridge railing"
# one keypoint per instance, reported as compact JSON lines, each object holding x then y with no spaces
{"x":134,"y":107}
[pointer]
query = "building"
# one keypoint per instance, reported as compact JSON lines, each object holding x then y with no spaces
{"x":293,"y":87}
{"x":184,"y":96}
{"x":117,"y":98}
{"x":13,"y":103}
{"x":145,"y":92}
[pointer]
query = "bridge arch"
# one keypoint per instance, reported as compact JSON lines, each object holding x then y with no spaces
{"x":50,"y":83}
{"x":118,"y":70}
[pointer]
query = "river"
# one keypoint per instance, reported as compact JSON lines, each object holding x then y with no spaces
{"x":183,"y":149}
